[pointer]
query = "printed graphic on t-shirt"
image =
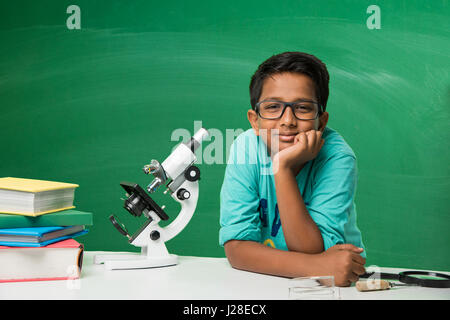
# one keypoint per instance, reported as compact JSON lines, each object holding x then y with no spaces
{"x":276,"y":223}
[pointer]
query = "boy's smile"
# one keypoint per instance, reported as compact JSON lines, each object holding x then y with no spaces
{"x":285,"y":87}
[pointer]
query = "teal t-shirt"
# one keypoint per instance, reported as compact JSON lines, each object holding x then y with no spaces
{"x":248,"y":201}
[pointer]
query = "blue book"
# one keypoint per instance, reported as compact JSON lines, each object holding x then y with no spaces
{"x":38,"y":236}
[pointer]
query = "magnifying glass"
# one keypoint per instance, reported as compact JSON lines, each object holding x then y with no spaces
{"x":427,"y":279}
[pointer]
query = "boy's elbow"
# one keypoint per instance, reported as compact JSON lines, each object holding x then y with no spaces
{"x":232,"y":252}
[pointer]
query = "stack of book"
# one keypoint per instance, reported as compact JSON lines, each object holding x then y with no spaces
{"x":37,"y":225}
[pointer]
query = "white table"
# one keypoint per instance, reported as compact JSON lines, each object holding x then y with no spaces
{"x":194,"y":278}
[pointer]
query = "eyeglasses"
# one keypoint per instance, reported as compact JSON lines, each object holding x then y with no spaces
{"x":302,"y":109}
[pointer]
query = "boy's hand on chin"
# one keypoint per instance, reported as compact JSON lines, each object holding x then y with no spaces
{"x":306,"y":146}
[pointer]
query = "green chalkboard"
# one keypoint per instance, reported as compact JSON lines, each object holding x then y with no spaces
{"x":90,"y":94}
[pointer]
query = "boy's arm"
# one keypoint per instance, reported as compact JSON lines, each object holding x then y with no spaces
{"x":341,"y":261}
{"x":256,"y":257}
{"x":300,"y":231}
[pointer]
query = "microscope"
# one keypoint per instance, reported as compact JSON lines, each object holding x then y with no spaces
{"x":181,"y":176}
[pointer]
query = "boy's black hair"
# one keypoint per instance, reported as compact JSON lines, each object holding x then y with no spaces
{"x":298,"y":62}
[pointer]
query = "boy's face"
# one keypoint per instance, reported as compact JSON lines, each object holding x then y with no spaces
{"x":285,"y":87}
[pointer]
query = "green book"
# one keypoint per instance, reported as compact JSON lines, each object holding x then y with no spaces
{"x":61,"y":218}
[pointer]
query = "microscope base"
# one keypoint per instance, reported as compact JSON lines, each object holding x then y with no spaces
{"x":134,"y":261}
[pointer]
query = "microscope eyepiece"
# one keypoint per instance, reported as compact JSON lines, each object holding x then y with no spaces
{"x":197,"y":139}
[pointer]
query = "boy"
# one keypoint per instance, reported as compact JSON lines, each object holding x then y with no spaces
{"x":287,"y":199}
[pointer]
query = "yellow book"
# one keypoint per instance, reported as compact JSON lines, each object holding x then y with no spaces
{"x":31,"y":197}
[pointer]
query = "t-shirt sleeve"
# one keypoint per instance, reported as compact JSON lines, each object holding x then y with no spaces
{"x":333,"y":195}
{"x":239,"y":200}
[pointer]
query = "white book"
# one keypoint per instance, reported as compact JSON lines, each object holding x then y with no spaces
{"x":56,"y":261}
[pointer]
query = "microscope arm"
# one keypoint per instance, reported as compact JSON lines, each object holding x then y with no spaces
{"x":187,"y":210}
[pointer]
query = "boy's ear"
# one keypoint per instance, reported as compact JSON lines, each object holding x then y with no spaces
{"x":253,"y":119}
{"x":323,"y":120}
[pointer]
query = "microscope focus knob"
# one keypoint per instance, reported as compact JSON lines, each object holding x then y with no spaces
{"x":154,"y":235}
{"x":192,"y":174}
{"x":183,"y":194}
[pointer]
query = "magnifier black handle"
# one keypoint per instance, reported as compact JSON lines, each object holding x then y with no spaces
{"x":119,"y":226}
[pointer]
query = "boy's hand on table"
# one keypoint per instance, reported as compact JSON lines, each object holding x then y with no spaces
{"x":305,"y":148}
{"x":344,"y":262}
